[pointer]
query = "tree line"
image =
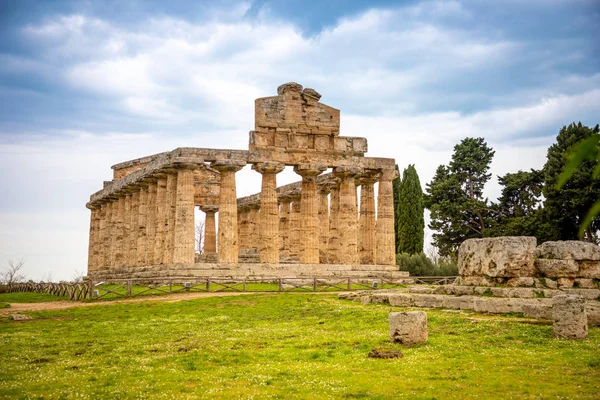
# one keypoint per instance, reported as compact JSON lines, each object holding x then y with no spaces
{"x":560,"y":201}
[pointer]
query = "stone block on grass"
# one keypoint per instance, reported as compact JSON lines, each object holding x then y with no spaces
{"x":570,"y":317}
{"x":408,"y":328}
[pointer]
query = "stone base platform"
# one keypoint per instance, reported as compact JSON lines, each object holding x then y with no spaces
{"x":500,"y":302}
{"x":255,"y":271}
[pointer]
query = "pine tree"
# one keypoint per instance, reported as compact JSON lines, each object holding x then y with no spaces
{"x":411,"y":221}
{"x":396,"y":189}
{"x":455,"y":196}
{"x":566,"y":208}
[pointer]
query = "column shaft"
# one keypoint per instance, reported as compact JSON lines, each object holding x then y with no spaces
{"x":347,"y":219}
{"x":141,"y":227}
{"x":115,"y":234}
{"x":184,"y":218}
{"x":151,"y":224}
{"x":210,"y":230}
{"x":295,"y":228}
{"x":161,"y":220}
{"x":120,"y":234}
{"x":93,"y":238}
{"x":334,"y":238}
{"x":268,"y":246}
{"x":228,"y":251}
{"x":253,"y":226}
{"x":170,"y":218}
{"x":367,"y":224}
{"x":323,"y":225}
{"x":386,"y":253}
{"x":133,"y":228}
{"x":284,"y":227}
{"x":105,"y":229}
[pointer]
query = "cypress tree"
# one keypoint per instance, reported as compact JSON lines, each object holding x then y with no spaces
{"x":410,"y":213}
{"x":396,"y":189}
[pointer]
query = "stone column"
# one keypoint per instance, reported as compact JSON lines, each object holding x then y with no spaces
{"x":161,"y":219}
{"x":210,"y":229}
{"x":105,"y":234}
{"x":121,"y":239}
{"x":127,"y":230}
{"x":243,"y":226}
{"x":268,"y":241}
{"x":334,"y":238}
{"x":151,"y":221}
{"x":367,"y":221}
{"x":309,"y":210}
{"x":93,"y":238}
{"x":228,"y":230}
{"x":133,"y":226}
{"x":347,"y":218}
{"x":116,"y":235}
{"x":284,"y":225}
{"x":100,"y":247}
{"x":295,"y":225}
{"x":141,"y":226}
{"x":385,"y":252}
{"x":323,"y":223}
{"x":253,"y":225}
{"x":184,"y":232}
{"x":171,"y":195}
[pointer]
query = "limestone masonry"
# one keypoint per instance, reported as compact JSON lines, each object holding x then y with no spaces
{"x":516,"y":261}
{"x":142,"y":222}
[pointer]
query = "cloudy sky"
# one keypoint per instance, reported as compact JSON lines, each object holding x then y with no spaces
{"x":87,"y":84}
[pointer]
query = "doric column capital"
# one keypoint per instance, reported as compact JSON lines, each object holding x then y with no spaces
{"x":268,"y":167}
{"x":388,"y":175}
{"x":346,"y":172}
{"x":227,"y":165}
{"x":369,"y":176}
{"x":284,"y":198}
{"x":209,"y":209}
{"x":309,"y":170}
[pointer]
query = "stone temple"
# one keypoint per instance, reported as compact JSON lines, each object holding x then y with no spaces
{"x":142,"y":222}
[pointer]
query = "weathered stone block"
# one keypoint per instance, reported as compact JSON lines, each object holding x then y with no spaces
{"x":585,"y":283}
{"x":589,"y":269}
{"x":459,"y":303}
{"x":420,"y":289}
{"x":380,"y":298}
{"x":473,"y":281}
{"x":428,"y":300}
{"x":570,"y":318}
{"x":588,"y":294}
{"x":538,"y":310}
{"x":401,"y":300}
{"x":497,"y":306}
{"x":568,"y":250}
{"x":556,"y":268}
{"x":510,"y":256}
{"x":524,"y":281}
{"x":565,"y":283}
{"x":592,"y":309}
{"x":408,"y":327}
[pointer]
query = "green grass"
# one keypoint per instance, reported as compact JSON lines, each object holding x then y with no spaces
{"x":4,"y":305}
{"x":29,"y":297}
{"x":284,"y":346}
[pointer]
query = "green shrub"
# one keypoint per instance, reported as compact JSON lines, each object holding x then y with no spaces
{"x":421,"y":265}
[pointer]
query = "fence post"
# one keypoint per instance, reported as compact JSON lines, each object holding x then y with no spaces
{"x":314,"y":284}
{"x":244,"y":284}
{"x":208,"y":284}
{"x":280,"y":284}
{"x":349,"y":284}
{"x":91,"y":289}
{"x":128,"y":289}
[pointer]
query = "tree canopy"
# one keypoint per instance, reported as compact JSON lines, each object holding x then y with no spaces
{"x":410,"y":211}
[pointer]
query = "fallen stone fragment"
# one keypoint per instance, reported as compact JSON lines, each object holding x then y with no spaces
{"x":570,"y":318}
{"x":408,"y":327}
{"x":20,"y":317}
{"x":568,"y":250}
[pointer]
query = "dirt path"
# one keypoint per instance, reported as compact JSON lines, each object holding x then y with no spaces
{"x":16,"y":308}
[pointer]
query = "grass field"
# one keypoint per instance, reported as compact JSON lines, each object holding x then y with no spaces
{"x":285,"y":346}
{"x":28,"y":297}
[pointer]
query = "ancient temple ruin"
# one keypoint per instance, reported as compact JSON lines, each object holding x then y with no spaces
{"x":142,"y":222}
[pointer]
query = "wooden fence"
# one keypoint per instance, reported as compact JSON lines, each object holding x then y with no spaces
{"x":114,"y":289}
